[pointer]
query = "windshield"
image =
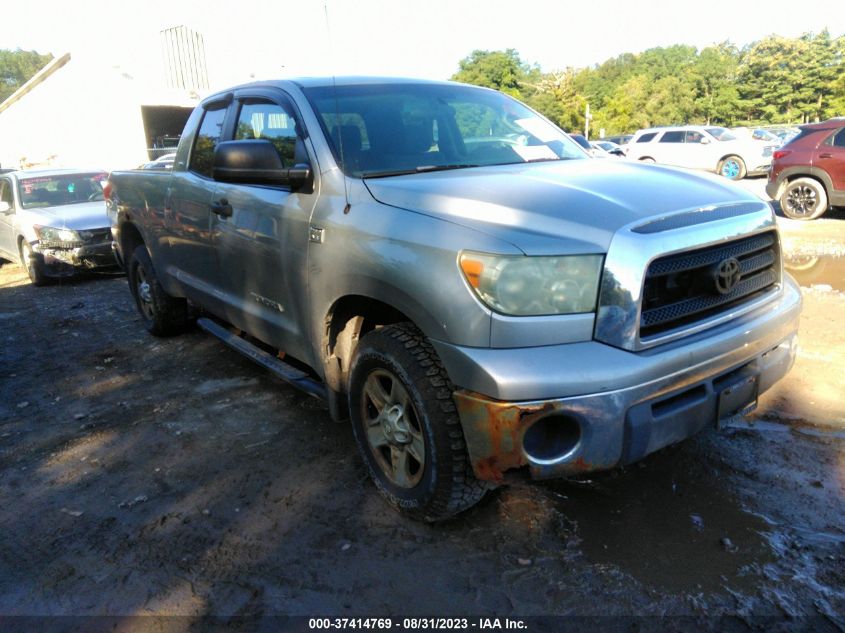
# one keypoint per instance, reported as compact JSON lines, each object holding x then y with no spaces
{"x":721,"y":134}
{"x":391,"y":129}
{"x":61,"y":189}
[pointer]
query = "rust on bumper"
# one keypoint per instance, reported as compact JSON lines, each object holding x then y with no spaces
{"x":494,"y":432}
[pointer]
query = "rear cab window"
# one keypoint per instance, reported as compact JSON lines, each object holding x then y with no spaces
{"x":645,"y":138}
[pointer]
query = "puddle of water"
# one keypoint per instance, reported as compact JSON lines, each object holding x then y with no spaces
{"x":815,"y":270}
{"x":671,"y":525}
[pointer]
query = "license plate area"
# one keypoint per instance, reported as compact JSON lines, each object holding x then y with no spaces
{"x":738,"y":398}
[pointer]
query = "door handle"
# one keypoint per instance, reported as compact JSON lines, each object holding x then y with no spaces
{"x":826,"y":155}
{"x":222,"y":208}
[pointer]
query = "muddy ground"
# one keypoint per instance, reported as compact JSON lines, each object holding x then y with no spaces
{"x":171,"y":476}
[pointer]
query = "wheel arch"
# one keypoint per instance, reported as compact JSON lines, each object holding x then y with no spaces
{"x":820,"y":175}
{"x":129,"y":238}
{"x":348,"y":319}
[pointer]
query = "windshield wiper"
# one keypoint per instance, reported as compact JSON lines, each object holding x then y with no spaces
{"x":416,"y":170}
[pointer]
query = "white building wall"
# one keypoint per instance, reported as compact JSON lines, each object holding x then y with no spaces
{"x":83,"y":115}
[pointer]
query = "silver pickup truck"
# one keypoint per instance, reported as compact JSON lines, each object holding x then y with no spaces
{"x":459,"y":279}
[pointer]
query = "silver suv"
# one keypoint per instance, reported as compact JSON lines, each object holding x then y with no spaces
{"x":710,"y":148}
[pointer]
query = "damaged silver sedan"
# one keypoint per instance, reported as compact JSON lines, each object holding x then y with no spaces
{"x":54,"y":222}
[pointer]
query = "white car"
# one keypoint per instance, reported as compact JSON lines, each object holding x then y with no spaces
{"x":54,"y":222}
{"x":710,"y":148}
{"x":609,"y":147}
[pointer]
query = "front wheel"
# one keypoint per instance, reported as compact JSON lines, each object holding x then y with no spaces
{"x":803,"y":199}
{"x":732,"y":167}
{"x":162,"y":314}
{"x":407,"y":427}
{"x":34,"y":264}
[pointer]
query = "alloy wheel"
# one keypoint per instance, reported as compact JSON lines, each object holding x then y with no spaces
{"x":145,"y":295}
{"x":801,"y":200}
{"x":392,"y":428}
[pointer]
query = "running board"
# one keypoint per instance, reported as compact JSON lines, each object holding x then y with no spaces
{"x":290,"y":374}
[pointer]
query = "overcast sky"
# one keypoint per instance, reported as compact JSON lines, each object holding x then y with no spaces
{"x":425,"y":39}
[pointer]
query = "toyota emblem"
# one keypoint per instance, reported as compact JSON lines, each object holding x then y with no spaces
{"x":726,"y":275}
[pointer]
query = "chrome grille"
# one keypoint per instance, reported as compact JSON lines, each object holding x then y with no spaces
{"x":680,"y":289}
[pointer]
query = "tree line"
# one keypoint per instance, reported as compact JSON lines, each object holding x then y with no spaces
{"x":773,"y":80}
{"x":17,"y":67}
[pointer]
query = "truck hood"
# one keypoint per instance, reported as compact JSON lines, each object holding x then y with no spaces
{"x":81,"y":216}
{"x":572,"y":206}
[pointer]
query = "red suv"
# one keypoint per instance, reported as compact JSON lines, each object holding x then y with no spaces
{"x":808,"y":173}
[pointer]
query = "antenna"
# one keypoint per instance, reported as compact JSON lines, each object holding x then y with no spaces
{"x":347,"y":207}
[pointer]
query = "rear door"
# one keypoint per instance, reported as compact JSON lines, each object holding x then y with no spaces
{"x":830,"y":156}
{"x":188,"y":215}
{"x":671,"y":150}
{"x":261,"y":247}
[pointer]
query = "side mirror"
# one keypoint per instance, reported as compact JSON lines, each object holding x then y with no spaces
{"x":704,"y":140}
{"x":256,"y":162}
{"x":5,"y":208}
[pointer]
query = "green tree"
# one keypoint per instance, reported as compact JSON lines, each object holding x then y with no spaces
{"x":714,"y":75}
{"x":557,"y":98}
{"x":502,"y":70}
{"x":790,"y":80}
{"x":624,"y":110}
{"x":17,"y":67}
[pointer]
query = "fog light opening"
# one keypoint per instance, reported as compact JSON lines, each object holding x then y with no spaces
{"x":552,"y":438}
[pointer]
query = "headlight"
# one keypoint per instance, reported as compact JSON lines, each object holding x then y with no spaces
{"x":50,"y":234}
{"x":533,"y":286}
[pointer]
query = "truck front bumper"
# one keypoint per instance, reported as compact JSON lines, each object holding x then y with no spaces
{"x":613,"y":406}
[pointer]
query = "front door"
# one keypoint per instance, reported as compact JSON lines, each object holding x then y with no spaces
{"x":8,"y":235}
{"x":671,"y":149}
{"x":261,"y":247}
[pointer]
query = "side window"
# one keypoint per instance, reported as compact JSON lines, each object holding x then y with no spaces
{"x":839,"y":139}
{"x":672,"y":137}
{"x":262,"y":119}
{"x":202,"y":156}
{"x":693,"y":136}
{"x":645,"y":138}
{"x":6,"y":193}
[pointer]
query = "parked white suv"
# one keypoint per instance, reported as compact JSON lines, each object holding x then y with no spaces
{"x":710,"y":148}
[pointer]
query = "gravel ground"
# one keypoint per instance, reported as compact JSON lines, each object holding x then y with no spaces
{"x":143,"y":476}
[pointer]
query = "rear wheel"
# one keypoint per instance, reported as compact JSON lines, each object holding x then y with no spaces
{"x":646,"y":159}
{"x":406,"y":425}
{"x":162,"y":314}
{"x":732,"y":167}
{"x":34,"y":264}
{"x":803,"y":199}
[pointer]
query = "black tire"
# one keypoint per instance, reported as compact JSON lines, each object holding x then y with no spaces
{"x":162,"y":314}
{"x":732,"y":168}
{"x":443,"y":483}
{"x":803,"y":199}
{"x":34,"y":264}
{"x":647,"y":159}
